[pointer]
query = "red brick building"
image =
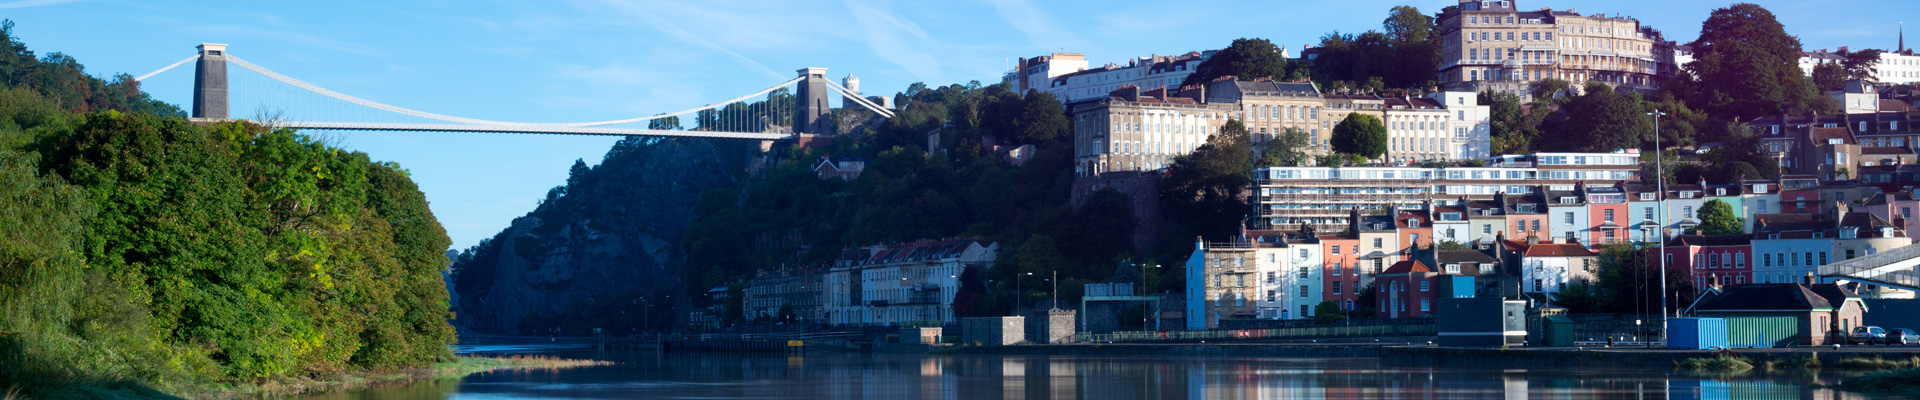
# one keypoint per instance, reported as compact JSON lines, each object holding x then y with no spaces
{"x":1713,"y":260}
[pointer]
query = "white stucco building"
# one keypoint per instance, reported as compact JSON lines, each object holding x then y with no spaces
{"x":909,"y":282}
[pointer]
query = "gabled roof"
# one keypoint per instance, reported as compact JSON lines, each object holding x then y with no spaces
{"x":1408,"y":266}
{"x":1821,"y":135}
{"x":1864,"y":221}
{"x":1474,"y":207}
{"x":1558,"y":250}
{"x":1836,"y":295}
{"x":1890,"y":105}
{"x":1766,"y":297}
{"x":1880,"y":199}
{"x":1420,"y":216}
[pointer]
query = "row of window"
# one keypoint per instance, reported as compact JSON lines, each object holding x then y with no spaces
{"x":1292,"y":112}
{"x":1788,"y":260}
{"x":1510,"y":36}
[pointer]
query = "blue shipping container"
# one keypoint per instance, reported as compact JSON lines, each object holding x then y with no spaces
{"x":1696,"y":333}
{"x":1462,"y":287}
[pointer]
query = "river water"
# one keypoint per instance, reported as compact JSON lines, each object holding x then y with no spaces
{"x":652,"y":375}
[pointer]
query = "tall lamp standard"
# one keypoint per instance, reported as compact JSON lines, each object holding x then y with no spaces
{"x":1017,"y":292}
{"x":1661,"y":185}
{"x":1145,"y":314}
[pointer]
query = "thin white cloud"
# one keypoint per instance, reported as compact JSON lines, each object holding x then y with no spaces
{"x":671,"y":29}
{"x":888,"y":34}
{"x":35,"y":3}
{"x":1034,"y":23}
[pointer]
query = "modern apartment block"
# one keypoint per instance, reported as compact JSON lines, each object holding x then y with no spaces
{"x":1495,"y":45}
{"x":1323,"y":196}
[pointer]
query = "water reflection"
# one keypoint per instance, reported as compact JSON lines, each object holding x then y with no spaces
{"x":861,"y":376}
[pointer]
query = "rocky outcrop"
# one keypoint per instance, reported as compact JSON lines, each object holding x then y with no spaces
{"x":614,"y":231}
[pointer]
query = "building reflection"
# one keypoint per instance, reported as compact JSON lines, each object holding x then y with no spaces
{"x":871,"y":376}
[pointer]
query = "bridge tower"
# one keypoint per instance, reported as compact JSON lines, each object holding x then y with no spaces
{"x":210,"y":82}
{"x":810,"y":104}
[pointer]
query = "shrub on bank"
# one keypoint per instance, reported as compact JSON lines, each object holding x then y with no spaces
{"x":1714,"y":364}
{"x":1876,"y":362}
{"x":1895,"y":381}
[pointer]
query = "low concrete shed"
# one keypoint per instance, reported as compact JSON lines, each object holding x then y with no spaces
{"x":1481,"y":322}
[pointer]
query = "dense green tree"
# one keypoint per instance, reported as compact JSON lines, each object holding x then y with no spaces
{"x":1829,"y":77}
{"x":61,"y":79}
{"x":1415,"y":50}
{"x":665,"y":124}
{"x":1550,"y":90}
{"x":1286,"y":150}
{"x":1106,"y":225}
{"x":1739,"y":156}
{"x":1246,"y":59}
{"x":1718,"y":218}
{"x":1327,"y":312}
{"x":1041,"y":119}
{"x":1360,"y":134}
{"x":1603,"y":121}
{"x":1403,"y":55}
{"x":1510,"y":131}
{"x":1206,"y":189}
{"x":1627,"y":282}
{"x":1748,"y":66}
{"x":1859,"y":64}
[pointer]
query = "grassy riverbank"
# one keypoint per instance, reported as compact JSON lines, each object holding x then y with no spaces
{"x":286,"y":386}
{"x":462,"y":367}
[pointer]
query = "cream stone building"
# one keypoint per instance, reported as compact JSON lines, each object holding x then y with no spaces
{"x":1493,"y":45}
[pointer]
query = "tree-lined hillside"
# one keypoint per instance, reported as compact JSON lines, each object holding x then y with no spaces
{"x":138,"y":251}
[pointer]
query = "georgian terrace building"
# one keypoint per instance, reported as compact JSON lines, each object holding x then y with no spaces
{"x":1494,"y":45}
{"x":1132,"y":130}
{"x":1324,"y":196}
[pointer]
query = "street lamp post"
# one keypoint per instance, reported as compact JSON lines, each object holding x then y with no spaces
{"x":1017,"y":290}
{"x":1145,"y":314}
{"x":1056,"y":291}
{"x":1661,"y":184}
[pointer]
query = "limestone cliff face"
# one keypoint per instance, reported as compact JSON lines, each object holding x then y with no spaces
{"x":614,"y":231}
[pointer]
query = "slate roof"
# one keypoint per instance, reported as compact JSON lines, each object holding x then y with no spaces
{"x":1765,"y":297}
{"x":1890,"y":105}
{"x":1558,"y":250}
{"x":1865,"y":222}
{"x":1462,"y":256}
{"x":1835,"y":295}
{"x":1821,"y":135}
{"x":1886,"y":198}
{"x":1711,"y":240}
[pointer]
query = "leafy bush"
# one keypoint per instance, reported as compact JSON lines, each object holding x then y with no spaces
{"x":1715,"y":364}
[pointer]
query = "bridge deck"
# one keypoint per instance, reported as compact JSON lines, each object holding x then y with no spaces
{"x":1893,"y":267}
{"x":533,"y":129}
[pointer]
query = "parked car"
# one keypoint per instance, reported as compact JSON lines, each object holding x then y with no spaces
{"x":1902,"y":336}
{"x":1867,"y":335}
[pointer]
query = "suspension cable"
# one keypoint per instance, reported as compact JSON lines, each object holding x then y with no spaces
{"x":858,"y":100}
{"x":448,"y":118}
{"x":158,"y":71}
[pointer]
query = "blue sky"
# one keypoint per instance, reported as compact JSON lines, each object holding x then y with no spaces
{"x":591,"y":60}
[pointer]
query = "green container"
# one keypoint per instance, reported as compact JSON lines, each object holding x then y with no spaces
{"x":1762,"y":332}
{"x":1559,"y":332}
